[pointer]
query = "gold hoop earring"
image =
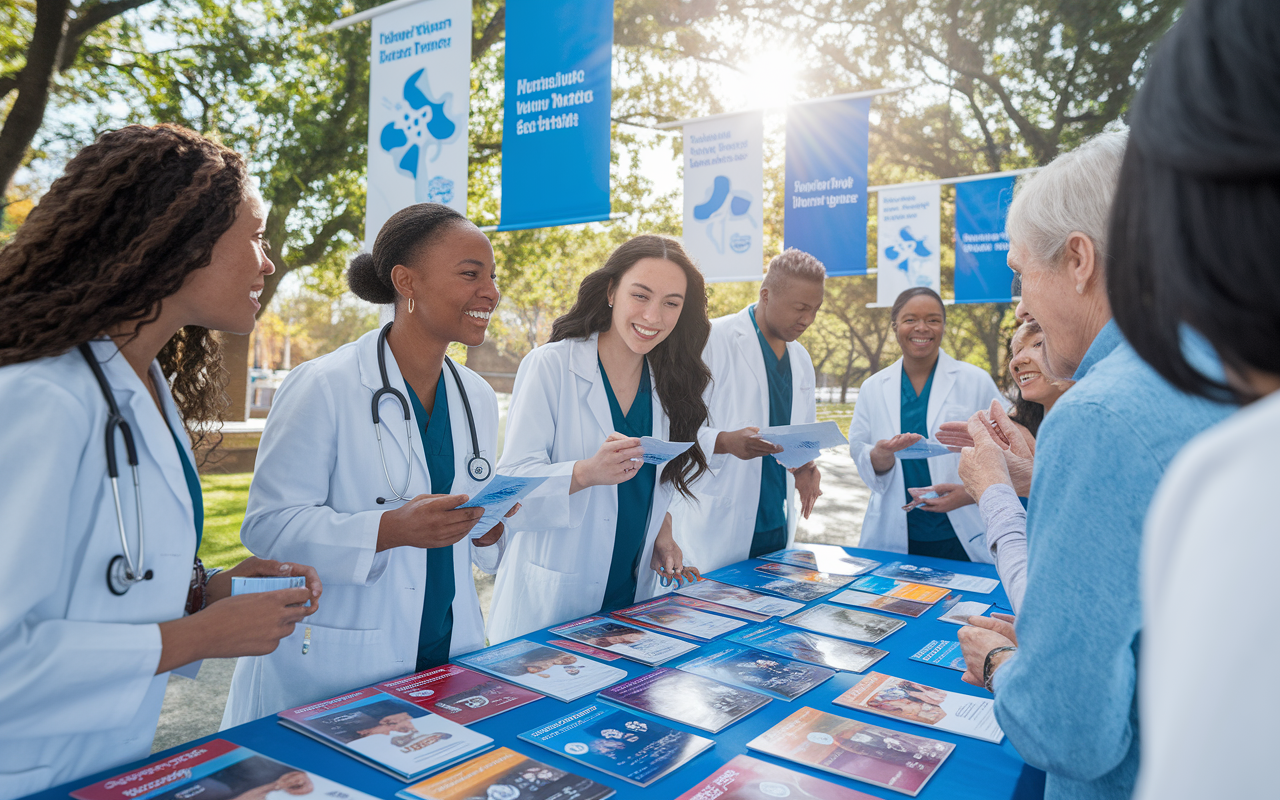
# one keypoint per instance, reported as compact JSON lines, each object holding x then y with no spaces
{"x":410,"y":305}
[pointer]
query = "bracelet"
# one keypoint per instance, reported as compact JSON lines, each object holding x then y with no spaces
{"x":987,"y":673}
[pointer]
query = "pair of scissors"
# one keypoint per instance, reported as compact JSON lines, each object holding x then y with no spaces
{"x":688,"y":575}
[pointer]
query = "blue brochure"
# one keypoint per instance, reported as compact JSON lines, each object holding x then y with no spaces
{"x":756,"y":670}
{"x":943,"y":653}
{"x":814,"y":648}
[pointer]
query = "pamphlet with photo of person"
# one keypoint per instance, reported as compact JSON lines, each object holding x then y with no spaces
{"x":686,"y":697}
{"x":847,"y":623}
{"x":544,"y":669}
{"x":628,"y":641}
{"x":757,"y":670}
{"x":747,"y":778}
{"x":458,"y":693}
{"x":682,"y":616}
{"x":810,"y":647}
{"x":738,"y":597}
{"x":924,"y":705}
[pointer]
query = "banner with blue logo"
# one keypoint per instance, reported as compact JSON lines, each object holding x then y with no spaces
{"x":826,"y":191}
{"x":556,"y":127}
{"x":419,"y":98}
{"x":723,"y":193}
{"x":982,"y":246}
{"x":908,"y":255}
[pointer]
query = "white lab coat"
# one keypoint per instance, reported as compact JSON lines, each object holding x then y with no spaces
{"x":559,"y":560}
{"x":77,"y":663}
{"x":717,"y":528}
{"x":314,"y":501}
{"x":959,"y":390}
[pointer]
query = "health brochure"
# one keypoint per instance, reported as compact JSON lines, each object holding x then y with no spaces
{"x":902,"y":571}
{"x":903,"y":590}
{"x":458,"y":693}
{"x":847,"y":623}
{"x":747,"y":778}
{"x":656,"y":451}
{"x":619,"y":742}
{"x":747,"y":577}
{"x":686,"y":697}
{"x":497,"y":497}
{"x":943,"y":654}
{"x":883,"y":757}
{"x":893,"y":605}
{"x":679,"y":615}
{"x":823,"y":558}
{"x":804,"y":575}
{"x":803,"y":443}
{"x":924,"y":705}
{"x":738,"y":597}
{"x":628,"y":641}
{"x":385,"y":732}
{"x":811,"y":647}
{"x":546,"y":670}
{"x":757,"y":670}
{"x":925,"y":448}
{"x":504,"y":774}
{"x":959,"y":613}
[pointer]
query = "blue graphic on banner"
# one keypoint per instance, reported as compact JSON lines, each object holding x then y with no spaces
{"x":982,"y":246}
{"x":826,"y":192}
{"x":402,"y":138}
{"x":717,"y":214}
{"x":556,"y":127}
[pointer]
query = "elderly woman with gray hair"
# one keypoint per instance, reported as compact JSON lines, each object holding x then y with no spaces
{"x":1065,"y":681}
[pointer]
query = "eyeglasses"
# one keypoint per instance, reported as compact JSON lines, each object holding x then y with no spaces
{"x":1015,"y":287}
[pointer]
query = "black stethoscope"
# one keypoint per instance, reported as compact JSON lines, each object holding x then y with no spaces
{"x":478,"y":467}
{"x":122,"y":573}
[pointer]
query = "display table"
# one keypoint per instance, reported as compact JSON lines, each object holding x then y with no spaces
{"x":975,"y":769}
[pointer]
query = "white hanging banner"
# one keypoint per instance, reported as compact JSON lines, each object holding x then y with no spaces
{"x":723,"y":195}
{"x":907,"y":244}
{"x":419,"y":98}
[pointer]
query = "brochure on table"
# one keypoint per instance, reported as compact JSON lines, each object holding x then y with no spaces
{"x":924,"y":705}
{"x":757,"y":670}
{"x":902,"y":571}
{"x":686,"y":698}
{"x":823,"y":558}
{"x":458,"y":693}
{"x":803,"y":443}
{"x":917,"y":592}
{"x":628,"y":641}
{"x":960,"y":612}
{"x":504,"y":774}
{"x":675,"y":614}
{"x":804,"y":575}
{"x":846,"y":623}
{"x":893,"y":605}
{"x":747,"y":577}
{"x":747,"y":778}
{"x":738,"y":597}
{"x":548,"y":670}
{"x":811,"y":647}
{"x":942,"y":653}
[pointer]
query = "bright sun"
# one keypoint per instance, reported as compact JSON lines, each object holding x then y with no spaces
{"x":769,"y":79}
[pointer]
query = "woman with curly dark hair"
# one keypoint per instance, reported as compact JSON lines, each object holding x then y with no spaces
{"x":150,"y":240}
{"x":624,"y":363}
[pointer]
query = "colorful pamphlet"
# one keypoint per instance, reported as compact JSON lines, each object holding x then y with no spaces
{"x":217,"y":770}
{"x":943,"y":653}
{"x":497,"y":498}
{"x":847,"y":623}
{"x":916,"y":592}
{"x":738,"y":597}
{"x":894,"y":760}
{"x":675,"y":614}
{"x":458,"y":693}
{"x":747,"y":778}
{"x":924,"y":705}
{"x":746,"y":577}
{"x":899,"y":570}
{"x":547,"y":670}
{"x":894,"y":605}
{"x":960,"y":612}
{"x":811,"y":647}
{"x":805,"y":575}
{"x":685,"y":697}
{"x":585,"y":649}
{"x":756,"y":670}
{"x":625,"y":639}
{"x":505,"y":774}
{"x":387,"y":733}
{"x":823,"y":558}
{"x":619,"y":742}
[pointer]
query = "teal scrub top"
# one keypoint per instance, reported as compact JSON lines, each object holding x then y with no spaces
{"x":635,"y":496}
{"x":771,"y":513}
{"x":435,"y":631}
{"x":922,"y":526}
{"x":193,"y":486}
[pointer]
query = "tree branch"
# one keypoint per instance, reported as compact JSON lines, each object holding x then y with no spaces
{"x":493,"y":31}
{"x":86,"y":20}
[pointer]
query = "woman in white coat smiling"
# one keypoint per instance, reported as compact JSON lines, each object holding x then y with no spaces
{"x":375,"y":505}
{"x":902,"y":405}
{"x":625,"y":362}
{"x":108,"y":292}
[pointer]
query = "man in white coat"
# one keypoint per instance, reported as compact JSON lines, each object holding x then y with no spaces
{"x":760,"y":376}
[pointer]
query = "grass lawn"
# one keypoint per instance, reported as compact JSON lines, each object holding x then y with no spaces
{"x":839,"y":413}
{"x":225,"y":499}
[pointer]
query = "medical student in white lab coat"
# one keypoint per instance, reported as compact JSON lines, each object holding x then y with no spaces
{"x":760,"y":376}
{"x":380,"y":520}
{"x":902,"y":405}
{"x":625,"y":362}
{"x":150,"y":239}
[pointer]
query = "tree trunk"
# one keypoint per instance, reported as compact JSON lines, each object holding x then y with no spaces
{"x":235,"y":359}
{"x":27,"y":112}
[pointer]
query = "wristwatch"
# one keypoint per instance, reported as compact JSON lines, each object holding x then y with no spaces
{"x":987,"y":672}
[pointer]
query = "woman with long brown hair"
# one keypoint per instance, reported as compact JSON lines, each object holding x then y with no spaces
{"x":625,"y":362}
{"x":109,"y":293}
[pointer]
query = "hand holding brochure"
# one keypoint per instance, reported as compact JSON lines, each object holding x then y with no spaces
{"x":943,"y":654}
{"x":924,"y":705}
{"x":505,"y":774}
{"x":925,"y":448}
{"x":255,"y":585}
{"x":497,"y":498}
{"x":959,"y":613}
{"x":656,"y":451}
{"x":686,"y":697}
{"x":803,"y":443}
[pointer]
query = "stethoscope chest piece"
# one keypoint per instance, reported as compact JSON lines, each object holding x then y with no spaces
{"x":479,"y":468}
{"x":119,"y":578}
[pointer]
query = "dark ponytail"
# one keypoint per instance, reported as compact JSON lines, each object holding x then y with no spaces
{"x":401,"y":237}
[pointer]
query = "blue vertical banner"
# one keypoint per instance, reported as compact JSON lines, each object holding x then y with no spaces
{"x":826,"y":191}
{"x":556,"y":127}
{"x":982,"y":246}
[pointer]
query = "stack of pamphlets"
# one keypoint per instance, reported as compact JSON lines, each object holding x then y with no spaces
{"x":685,"y":697}
{"x":548,"y":670}
{"x":747,"y":778}
{"x":756,"y":670}
{"x":943,"y":653}
{"x":681,"y":616}
{"x":894,"y":605}
{"x":915,"y":592}
{"x":846,"y":623}
{"x":924,"y":705}
{"x":458,"y":694}
{"x":823,"y":558}
{"x":625,"y":639}
{"x":902,"y":571}
{"x":389,"y":734}
{"x":737,"y":597}
{"x":618,"y":742}
{"x":811,"y":647}
{"x":805,"y":575}
{"x":506,"y":775}
{"x":217,"y":770}
{"x":882,"y":757}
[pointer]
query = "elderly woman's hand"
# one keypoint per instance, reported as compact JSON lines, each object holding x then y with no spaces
{"x":982,"y":465}
{"x":1019,"y":446}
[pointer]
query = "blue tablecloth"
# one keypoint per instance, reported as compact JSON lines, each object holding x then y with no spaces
{"x":976,"y":769}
